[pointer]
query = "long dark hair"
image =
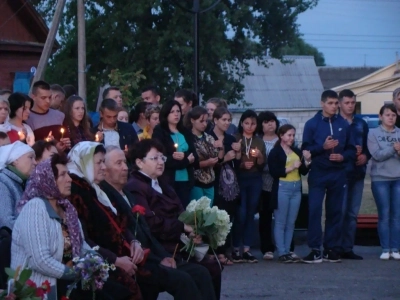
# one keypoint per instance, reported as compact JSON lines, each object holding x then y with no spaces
{"x":247,"y":114}
{"x":84,"y":123}
{"x":282,"y":130}
{"x":164,"y":113}
{"x":266,"y":116}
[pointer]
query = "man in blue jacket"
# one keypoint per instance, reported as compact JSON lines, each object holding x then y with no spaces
{"x":327,"y":136}
{"x":355,"y":173}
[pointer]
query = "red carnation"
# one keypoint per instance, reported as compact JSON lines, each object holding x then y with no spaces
{"x":139,"y":210}
{"x":46,"y":286}
{"x":40,"y":293}
{"x":30,"y":283}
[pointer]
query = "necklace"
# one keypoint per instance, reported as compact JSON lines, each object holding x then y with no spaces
{"x":247,"y":147}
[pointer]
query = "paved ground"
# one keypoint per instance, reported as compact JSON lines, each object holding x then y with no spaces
{"x":362,"y":280}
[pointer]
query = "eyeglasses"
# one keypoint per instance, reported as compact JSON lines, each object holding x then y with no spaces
{"x":157,"y":158}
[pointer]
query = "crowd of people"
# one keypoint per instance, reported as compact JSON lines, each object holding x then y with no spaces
{"x":68,"y":184}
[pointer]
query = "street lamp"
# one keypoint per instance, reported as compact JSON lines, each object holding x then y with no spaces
{"x":196,"y":11}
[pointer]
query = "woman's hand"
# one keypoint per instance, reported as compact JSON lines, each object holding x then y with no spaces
{"x":169,"y":262}
{"x":218,"y":144}
{"x":256,"y":153}
{"x":197,"y":239}
{"x":136,"y":252}
{"x":307,"y":155}
{"x":126,"y":264}
{"x":296,"y":164}
{"x":237,"y":146}
{"x":66,"y":142}
{"x":178,"y":155}
{"x":191,"y":158}
{"x":248,"y":165}
{"x":211,"y":162}
{"x":230,"y":155}
{"x":187,"y":228}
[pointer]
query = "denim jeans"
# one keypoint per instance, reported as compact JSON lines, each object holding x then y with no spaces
{"x":244,"y":226}
{"x":197,"y":192}
{"x":351,"y":207}
{"x":387,"y":199}
{"x":289,"y":198}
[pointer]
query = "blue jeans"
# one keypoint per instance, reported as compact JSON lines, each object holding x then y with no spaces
{"x":289,"y":198}
{"x":244,"y":226}
{"x":331,"y":183}
{"x":197,"y":192}
{"x":351,"y":207}
{"x":387,"y":199}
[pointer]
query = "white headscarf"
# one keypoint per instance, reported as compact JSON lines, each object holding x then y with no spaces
{"x":10,"y":153}
{"x":81,"y":164}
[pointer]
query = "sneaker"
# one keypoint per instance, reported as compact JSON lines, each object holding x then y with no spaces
{"x":248,"y":257}
{"x":313,"y":258}
{"x":295,"y":257}
{"x":286,"y":258}
{"x":236,"y":257}
{"x":395,"y":255}
{"x":331,"y":256}
{"x":350,"y":255}
{"x":385,"y":256}
{"x":268,"y":256}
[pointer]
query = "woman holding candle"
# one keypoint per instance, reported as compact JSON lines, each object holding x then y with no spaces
{"x":209,"y":151}
{"x":20,"y":107}
{"x":384,"y":147}
{"x":179,"y":150}
{"x":250,"y":182}
{"x":286,"y":164}
{"x":76,"y":125}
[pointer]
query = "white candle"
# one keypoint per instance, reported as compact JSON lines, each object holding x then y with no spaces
{"x":97,"y":138}
{"x":176,"y":146}
{"x":62,"y":132}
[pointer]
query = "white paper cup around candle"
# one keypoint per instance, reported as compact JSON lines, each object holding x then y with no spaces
{"x":176,"y":146}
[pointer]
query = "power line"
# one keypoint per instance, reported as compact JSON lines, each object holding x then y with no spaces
{"x":355,"y":41}
{"x":363,"y":35}
{"x":359,"y":48}
{"x":13,"y":15}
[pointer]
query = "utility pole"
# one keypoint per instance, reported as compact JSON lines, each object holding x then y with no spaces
{"x":81,"y":49}
{"x":51,"y":37}
{"x":196,"y":11}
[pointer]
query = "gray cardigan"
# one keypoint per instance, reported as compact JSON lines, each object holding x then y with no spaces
{"x":11,"y":190}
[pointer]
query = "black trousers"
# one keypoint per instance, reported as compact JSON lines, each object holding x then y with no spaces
{"x":182,"y":189}
{"x":187,"y":281}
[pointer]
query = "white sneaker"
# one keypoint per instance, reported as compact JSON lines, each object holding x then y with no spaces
{"x":294,"y":255}
{"x":385,"y":256}
{"x":268,"y":256}
{"x":395,"y":255}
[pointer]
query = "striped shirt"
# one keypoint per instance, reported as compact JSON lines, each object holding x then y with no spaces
{"x":266,"y":176}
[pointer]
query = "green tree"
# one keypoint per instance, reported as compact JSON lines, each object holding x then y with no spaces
{"x":299,"y":47}
{"x":156,"y":36}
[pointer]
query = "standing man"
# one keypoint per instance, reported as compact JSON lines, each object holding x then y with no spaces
{"x":396,"y":101}
{"x":57,"y":97}
{"x":187,"y":99}
{"x":355,"y":173}
{"x":150,"y":94}
{"x":327,"y":136}
{"x":114,"y":93}
{"x":45,"y":121}
{"x":115,"y":133}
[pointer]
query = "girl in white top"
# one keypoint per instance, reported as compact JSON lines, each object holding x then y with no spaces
{"x":20,"y":108}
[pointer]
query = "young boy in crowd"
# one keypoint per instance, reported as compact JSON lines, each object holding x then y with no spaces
{"x":327,"y":136}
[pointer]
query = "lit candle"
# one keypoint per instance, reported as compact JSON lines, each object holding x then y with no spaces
{"x":176,"y":146}
{"x":47,"y":139}
{"x":21,"y":135}
{"x":62,"y":132}
{"x":253,"y":151}
{"x":96,"y":138}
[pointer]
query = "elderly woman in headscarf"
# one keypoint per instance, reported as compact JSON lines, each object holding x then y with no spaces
{"x":101,"y":224}
{"x":47,"y":233}
{"x":17,"y":161}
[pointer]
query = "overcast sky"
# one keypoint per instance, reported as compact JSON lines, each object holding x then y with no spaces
{"x":354,"y":32}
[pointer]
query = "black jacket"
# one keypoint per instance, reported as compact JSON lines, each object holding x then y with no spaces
{"x":171,"y":165}
{"x":127,"y":135}
{"x":143,"y":235}
{"x":277,"y":168}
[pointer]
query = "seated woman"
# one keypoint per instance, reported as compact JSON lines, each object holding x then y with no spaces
{"x":44,"y":150}
{"x":17,"y":161}
{"x":96,"y":211}
{"x":47,"y":233}
{"x":162,"y":204}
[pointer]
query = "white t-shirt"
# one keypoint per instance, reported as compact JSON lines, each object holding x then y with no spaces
{"x":30,"y":137}
{"x":111,"y":138}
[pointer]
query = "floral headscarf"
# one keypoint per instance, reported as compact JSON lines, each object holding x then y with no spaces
{"x":82,"y":164}
{"x":42,"y":184}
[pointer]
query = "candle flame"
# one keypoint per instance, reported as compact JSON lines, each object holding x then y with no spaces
{"x":62,"y":130}
{"x":176,"y":146}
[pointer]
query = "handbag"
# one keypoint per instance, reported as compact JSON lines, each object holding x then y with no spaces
{"x":228,"y":184}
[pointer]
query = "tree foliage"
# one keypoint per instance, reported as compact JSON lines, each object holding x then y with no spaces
{"x":156,"y":36}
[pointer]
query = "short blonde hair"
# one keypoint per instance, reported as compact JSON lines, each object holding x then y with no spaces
{"x":2,"y":100}
{"x":151,"y":109}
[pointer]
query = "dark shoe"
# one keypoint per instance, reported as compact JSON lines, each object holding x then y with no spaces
{"x":286,"y":258}
{"x":351,"y":255}
{"x":236,"y":257}
{"x":313,"y":258}
{"x":247,"y":257}
{"x":331,"y":256}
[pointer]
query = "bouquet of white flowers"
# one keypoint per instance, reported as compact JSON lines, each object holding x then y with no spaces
{"x":211,"y":223}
